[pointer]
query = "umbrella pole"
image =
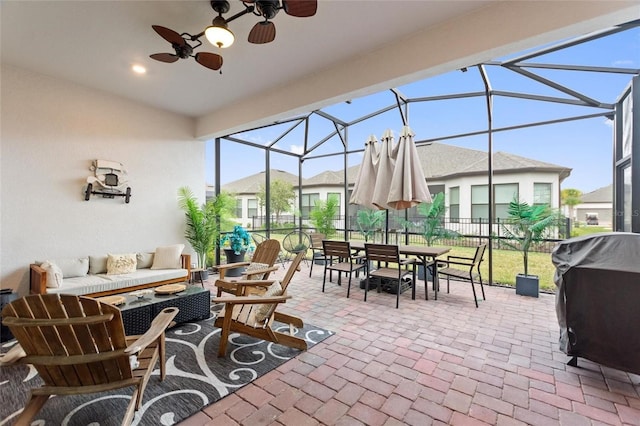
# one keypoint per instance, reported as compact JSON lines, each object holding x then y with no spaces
{"x":386,"y":226}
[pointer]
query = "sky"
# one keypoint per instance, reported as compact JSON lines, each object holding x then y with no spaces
{"x":585,"y":146}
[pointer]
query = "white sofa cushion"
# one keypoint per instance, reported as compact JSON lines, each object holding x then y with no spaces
{"x":71,"y":266}
{"x":145,"y":260}
{"x":97,"y":264}
{"x":103,"y":282}
{"x":168,"y":257}
{"x":54,"y":274}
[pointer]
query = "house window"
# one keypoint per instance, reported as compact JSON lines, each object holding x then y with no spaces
{"x":479,"y":203}
{"x":238,"y":207}
{"x":335,"y":195}
{"x":252,"y":207}
{"x":454,"y":204}
{"x":503,"y":194}
{"x":542,"y":194}
{"x":308,"y":202}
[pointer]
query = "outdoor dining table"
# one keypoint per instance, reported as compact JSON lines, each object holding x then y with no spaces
{"x":425,"y":254}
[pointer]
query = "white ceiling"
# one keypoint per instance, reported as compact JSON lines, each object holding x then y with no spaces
{"x":95,"y":43}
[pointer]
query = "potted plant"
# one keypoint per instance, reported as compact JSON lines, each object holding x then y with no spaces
{"x":432,"y":226}
{"x":526,"y":226}
{"x":235,"y":244}
{"x":202,"y":222}
{"x":369,"y":221}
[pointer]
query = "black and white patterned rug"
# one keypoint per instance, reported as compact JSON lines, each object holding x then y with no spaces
{"x":196,"y":377}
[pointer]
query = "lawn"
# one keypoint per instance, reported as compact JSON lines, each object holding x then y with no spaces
{"x":507,"y":264}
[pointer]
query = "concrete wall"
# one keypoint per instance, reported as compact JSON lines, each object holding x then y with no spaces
{"x":51,"y":131}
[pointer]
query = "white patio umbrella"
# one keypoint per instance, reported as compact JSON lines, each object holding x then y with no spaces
{"x":386,"y":165}
{"x":364,"y":185}
{"x":391,"y":177}
{"x":408,"y":186}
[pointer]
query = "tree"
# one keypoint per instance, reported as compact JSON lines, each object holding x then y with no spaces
{"x":571,"y":197}
{"x":281,"y":194}
{"x":323,"y":214}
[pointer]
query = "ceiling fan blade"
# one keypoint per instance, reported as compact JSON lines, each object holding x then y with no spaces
{"x":209,"y":60}
{"x":169,"y":35}
{"x":165,"y":57}
{"x":262,"y":32}
{"x":300,"y":8}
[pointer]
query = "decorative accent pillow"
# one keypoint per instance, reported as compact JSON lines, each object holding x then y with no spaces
{"x":121,"y":263}
{"x":54,"y":274}
{"x":98,"y":265}
{"x":264,"y":310}
{"x":254,"y":266}
{"x":168,"y":257}
{"x":145,"y":260}
{"x":73,"y":267}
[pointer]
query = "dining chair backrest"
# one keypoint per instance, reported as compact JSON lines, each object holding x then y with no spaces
{"x":339,"y":249}
{"x":387,"y":253}
{"x":479,"y":253}
{"x":316,"y":240}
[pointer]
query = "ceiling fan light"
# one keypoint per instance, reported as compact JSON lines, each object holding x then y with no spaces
{"x":218,"y":34}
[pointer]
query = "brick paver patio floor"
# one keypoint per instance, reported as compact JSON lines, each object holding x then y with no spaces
{"x":430,"y":362}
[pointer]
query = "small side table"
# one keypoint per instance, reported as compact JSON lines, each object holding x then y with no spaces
{"x":196,"y":274}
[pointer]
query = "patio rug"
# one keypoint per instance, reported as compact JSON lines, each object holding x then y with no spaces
{"x":196,"y":377}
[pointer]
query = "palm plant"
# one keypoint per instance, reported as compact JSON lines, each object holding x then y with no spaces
{"x":369,"y":221}
{"x":432,"y":226}
{"x":526,"y":226}
{"x":202,"y":221}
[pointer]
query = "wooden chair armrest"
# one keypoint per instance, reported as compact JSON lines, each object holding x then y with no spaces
{"x":232,"y":265}
{"x":186,"y":263}
{"x":251,"y":300}
{"x":408,"y":261}
{"x":262,"y":271}
{"x":14,"y":354}
{"x":158,"y":326}
{"x":38,"y":279}
{"x":247,"y":283}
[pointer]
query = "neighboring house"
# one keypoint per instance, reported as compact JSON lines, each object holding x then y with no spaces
{"x":598,"y":204}
{"x":460,"y":173}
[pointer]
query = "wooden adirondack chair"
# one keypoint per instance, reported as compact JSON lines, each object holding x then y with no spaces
{"x":254,"y":315}
{"x":266,"y":253}
{"x":78,"y":345}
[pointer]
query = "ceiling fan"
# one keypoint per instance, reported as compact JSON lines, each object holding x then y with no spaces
{"x":219,"y":34}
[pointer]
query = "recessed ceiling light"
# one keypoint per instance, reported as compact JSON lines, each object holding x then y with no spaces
{"x":139,"y":69}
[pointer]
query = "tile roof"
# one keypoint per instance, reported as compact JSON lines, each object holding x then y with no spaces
{"x":600,"y":195}
{"x":438,"y":160}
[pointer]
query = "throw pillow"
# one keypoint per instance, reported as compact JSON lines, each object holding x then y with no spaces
{"x":73,"y":267}
{"x":168,"y":257}
{"x":121,"y":263}
{"x":54,"y":274}
{"x":97,"y":265}
{"x":266,"y":309}
{"x":254,"y":266}
{"x":145,"y":260}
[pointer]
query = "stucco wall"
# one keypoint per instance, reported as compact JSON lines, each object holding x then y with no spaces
{"x":51,"y":131}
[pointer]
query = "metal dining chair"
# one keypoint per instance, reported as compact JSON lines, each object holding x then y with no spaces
{"x":388,"y":254}
{"x":339,"y":257}
{"x":316,"y":247}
